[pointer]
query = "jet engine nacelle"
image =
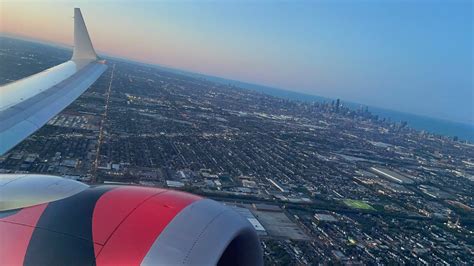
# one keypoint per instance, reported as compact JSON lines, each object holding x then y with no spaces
{"x":49,"y":220}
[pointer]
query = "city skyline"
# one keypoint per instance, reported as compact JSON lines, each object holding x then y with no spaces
{"x":415,"y":53}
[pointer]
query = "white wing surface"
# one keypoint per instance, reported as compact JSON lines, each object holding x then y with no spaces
{"x":27,"y":104}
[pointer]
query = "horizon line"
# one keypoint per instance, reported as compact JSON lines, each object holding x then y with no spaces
{"x":173,"y":68}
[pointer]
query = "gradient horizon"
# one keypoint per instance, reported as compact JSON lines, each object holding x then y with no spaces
{"x":412,"y":57}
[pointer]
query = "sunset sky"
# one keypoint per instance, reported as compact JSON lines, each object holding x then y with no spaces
{"x":412,"y":56}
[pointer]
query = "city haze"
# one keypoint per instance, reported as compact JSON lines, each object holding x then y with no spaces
{"x":410,"y":57}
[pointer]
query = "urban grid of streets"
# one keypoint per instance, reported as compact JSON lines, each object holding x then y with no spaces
{"x":322,"y":183}
{"x":101,"y":128}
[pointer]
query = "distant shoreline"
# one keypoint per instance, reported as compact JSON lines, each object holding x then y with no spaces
{"x":432,"y":125}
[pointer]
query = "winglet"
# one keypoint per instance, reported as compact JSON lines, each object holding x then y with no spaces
{"x":83,"y":49}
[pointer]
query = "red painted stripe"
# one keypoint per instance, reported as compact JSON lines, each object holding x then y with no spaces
{"x":97,"y":249}
{"x":15,"y":234}
{"x":113,"y":207}
{"x":131,"y":241}
{"x":27,"y":216}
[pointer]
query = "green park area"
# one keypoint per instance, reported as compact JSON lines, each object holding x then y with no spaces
{"x":357,"y":204}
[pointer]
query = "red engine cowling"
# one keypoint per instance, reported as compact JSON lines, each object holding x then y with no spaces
{"x":48,"y":220}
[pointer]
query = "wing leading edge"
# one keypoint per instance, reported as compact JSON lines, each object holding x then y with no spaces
{"x":27,"y":104}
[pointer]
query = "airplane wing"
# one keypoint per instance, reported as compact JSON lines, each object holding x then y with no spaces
{"x":27,"y":104}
